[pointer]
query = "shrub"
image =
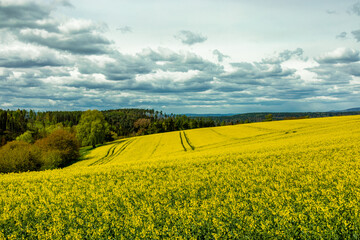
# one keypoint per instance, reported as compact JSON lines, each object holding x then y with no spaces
{"x":51,"y":159}
{"x":18,"y":156}
{"x":58,"y":149}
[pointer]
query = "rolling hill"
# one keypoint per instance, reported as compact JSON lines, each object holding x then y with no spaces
{"x":283,"y":179}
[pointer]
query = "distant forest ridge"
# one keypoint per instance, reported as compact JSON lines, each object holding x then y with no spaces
{"x":261,"y":116}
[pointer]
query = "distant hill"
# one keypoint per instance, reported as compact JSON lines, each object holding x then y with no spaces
{"x":260,"y":116}
{"x":357,"y":109}
{"x":352,"y":110}
{"x":209,"y":115}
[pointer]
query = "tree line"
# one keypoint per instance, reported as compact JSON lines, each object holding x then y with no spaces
{"x":34,"y":141}
{"x":121,"y":122}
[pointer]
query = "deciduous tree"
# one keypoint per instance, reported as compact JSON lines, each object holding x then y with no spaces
{"x":92,"y":128}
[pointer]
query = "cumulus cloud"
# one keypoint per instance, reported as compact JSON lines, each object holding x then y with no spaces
{"x":79,"y":42}
{"x":28,"y":56}
{"x":258,"y":74}
{"x":66,"y":63}
{"x":29,"y":14}
{"x":338,"y":69}
{"x":340,"y":55}
{"x":331,"y":75}
{"x":169,"y":60}
{"x":190,"y":38}
{"x":220,"y":56}
{"x":116,"y":67}
{"x":22,"y":14}
{"x":284,"y":56}
{"x":31,"y":22}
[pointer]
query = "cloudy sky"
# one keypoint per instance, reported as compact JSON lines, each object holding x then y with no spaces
{"x":188,"y":56}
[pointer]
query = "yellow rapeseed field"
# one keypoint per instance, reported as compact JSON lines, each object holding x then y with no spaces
{"x":296,"y":179}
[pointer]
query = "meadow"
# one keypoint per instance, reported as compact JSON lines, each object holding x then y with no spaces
{"x":294,"y":179}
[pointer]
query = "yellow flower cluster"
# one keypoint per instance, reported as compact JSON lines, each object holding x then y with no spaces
{"x":295,"y":179}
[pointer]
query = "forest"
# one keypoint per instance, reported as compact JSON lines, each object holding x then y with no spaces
{"x":121,"y":123}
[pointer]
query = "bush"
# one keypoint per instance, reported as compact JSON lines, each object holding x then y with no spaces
{"x":58,"y":149}
{"x":18,"y":156}
{"x":51,"y":159}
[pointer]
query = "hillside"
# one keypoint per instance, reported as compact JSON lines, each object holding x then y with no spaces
{"x":282,"y":179}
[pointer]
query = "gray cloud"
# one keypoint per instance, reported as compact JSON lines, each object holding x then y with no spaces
{"x":80,"y":43}
{"x":342,"y":35}
{"x":29,"y":14}
{"x":330,"y":11}
{"x":22,"y":14}
{"x":219,"y":55}
{"x":355,"y":8}
{"x":356,"y":34}
{"x":190,"y":38}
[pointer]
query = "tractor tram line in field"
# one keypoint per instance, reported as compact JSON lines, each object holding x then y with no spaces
{"x":121,"y":150}
{"x":108,"y":154}
{"x":107,"y":158}
{"x":188,"y":141}
{"x":185,"y":142}
{"x":182,"y":142}
{"x":156,"y":146}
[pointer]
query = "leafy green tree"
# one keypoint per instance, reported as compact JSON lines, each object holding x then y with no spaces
{"x":269,"y":117}
{"x":92,"y":128}
{"x":26,"y":137}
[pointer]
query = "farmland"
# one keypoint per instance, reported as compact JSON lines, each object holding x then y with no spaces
{"x":284,"y":179}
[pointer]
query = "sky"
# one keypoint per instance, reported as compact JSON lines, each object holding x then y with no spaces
{"x":189,"y":56}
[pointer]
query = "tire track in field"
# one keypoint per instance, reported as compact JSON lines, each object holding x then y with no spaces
{"x":109,"y":156}
{"x":234,"y":141}
{"x":188,"y":141}
{"x":182,"y":142}
{"x":122,"y":148}
{"x":157,"y":145}
{"x":109,"y":153}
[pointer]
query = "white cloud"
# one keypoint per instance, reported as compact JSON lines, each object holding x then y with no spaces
{"x":340,"y":55}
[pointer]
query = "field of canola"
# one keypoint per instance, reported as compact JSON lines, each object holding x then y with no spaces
{"x":288,"y":179}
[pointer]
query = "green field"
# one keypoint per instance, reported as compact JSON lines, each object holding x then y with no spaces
{"x":284,"y":179}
